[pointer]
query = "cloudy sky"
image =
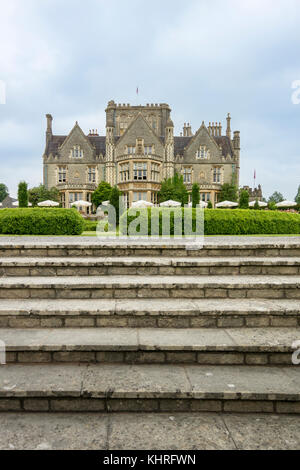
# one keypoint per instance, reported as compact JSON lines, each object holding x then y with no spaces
{"x":204,"y":57}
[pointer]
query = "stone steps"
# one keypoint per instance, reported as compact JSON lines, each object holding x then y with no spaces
{"x":143,"y":387}
{"x":57,"y":266}
{"x":127,"y":287}
{"x":168,"y":248}
{"x":250,"y":346}
{"x":153,"y":313}
{"x":144,"y":326}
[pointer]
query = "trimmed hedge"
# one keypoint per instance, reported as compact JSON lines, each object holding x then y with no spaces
{"x":41,"y":221}
{"x":250,"y":222}
{"x":90,"y":225}
{"x":224,"y":221}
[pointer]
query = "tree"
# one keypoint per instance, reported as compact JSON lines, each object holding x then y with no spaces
{"x":256,"y":205}
{"x":175,"y":189}
{"x":272,"y":205}
{"x":195,"y":194}
{"x":3,"y":192}
{"x":297,"y":198}
{"x":23,"y":194}
{"x":41,"y":193}
{"x":276,"y":197}
{"x":115,"y":201}
{"x":102,"y":193}
{"x":244,"y":199}
{"x":209,"y":205}
{"x":229,"y":192}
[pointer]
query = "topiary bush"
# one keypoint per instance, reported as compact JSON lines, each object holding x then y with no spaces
{"x":41,"y":221}
{"x":219,"y":221}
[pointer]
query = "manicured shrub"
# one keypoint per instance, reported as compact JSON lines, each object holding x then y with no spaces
{"x":90,"y":225}
{"x":23,"y":194}
{"x":41,"y":221}
{"x":209,"y":205}
{"x":195,"y":195}
{"x":250,"y":222}
{"x":244,"y":199}
{"x":220,"y":221}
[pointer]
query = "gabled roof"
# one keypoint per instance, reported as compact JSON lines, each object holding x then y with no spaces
{"x":180,"y":143}
{"x":7,"y":203}
{"x":225,"y":143}
{"x":57,"y":140}
{"x":132,"y":123}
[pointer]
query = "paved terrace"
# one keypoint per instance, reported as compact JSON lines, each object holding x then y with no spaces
{"x":228,"y":241}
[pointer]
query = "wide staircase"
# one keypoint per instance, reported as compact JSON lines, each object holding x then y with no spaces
{"x":150,"y":327}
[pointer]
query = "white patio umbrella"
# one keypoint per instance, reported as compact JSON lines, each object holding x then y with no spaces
{"x":48,"y":203}
{"x":202,"y":204}
{"x":0,"y":204}
{"x":227,"y":204}
{"x":81,"y":203}
{"x":170,"y":203}
{"x":105,"y":203}
{"x":260,"y":203}
{"x":16,"y":204}
{"x":286,"y":204}
{"x":142,"y":204}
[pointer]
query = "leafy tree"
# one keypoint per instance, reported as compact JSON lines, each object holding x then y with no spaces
{"x":115,"y":201}
{"x":3,"y":192}
{"x":209,"y":205}
{"x":23,"y":194}
{"x":276,"y":197}
{"x":175,"y":189}
{"x":195,"y":194}
{"x":272,"y":205}
{"x":229,"y":192}
{"x":256,"y":205}
{"x":41,"y":193}
{"x":297,"y":198}
{"x":102,"y":193}
{"x":244,"y":199}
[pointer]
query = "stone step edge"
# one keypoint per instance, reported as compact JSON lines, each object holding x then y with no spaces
{"x":157,"y":282}
{"x":154,"y":405}
{"x":149,"y":340}
{"x":147,"y":261}
{"x":147,"y":307}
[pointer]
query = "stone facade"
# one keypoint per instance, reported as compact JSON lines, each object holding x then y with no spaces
{"x":254,"y":194}
{"x":138,"y":151}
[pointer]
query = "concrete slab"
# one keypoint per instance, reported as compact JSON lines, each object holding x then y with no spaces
{"x":34,"y":380}
{"x":136,"y":381}
{"x":59,"y":431}
{"x":267,"y":432}
{"x":167,"y":432}
{"x":243,"y":382}
{"x":185,"y":339}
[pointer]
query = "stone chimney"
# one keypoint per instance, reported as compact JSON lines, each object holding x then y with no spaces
{"x":49,"y":127}
{"x":228,"y":131}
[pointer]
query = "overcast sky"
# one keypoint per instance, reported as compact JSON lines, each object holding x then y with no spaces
{"x":204,"y":57}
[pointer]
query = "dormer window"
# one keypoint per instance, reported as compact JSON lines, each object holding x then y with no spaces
{"x":131,"y":150}
{"x":148,"y":149}
{"x":202,"y":153}
{"x":77,"y":152}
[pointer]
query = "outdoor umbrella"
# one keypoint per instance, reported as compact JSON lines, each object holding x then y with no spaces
{"x":48,"y":204}
{"x":227,"y":204}
{"x":142,"y":204}
{"x":170,"y":203}
{"x":16,"y":204}
{"x":260,"y":203}
{"x":286,"y":204}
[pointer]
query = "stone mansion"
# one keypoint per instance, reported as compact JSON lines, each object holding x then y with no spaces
{"x":137,"y":152}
